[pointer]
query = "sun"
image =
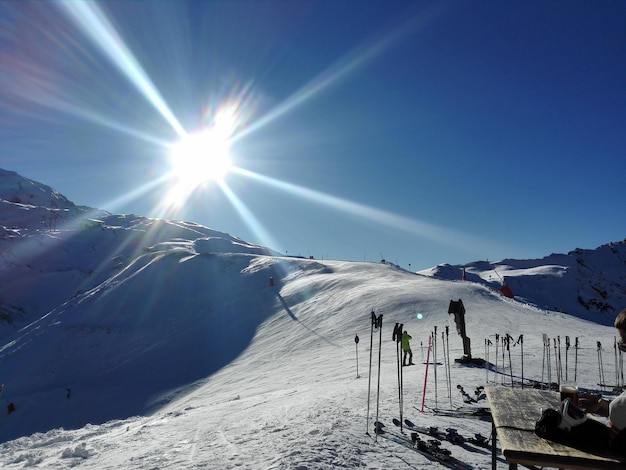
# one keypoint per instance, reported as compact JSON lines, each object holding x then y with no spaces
{"x":200,"y":157}
{"x":203,"y":157}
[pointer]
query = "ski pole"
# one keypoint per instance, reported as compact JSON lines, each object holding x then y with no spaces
{"x":508,"y":348}
{"x":575,"y":358}
{"x":549,"y":362}
{"x":426,"y":373}
{"x":445,"y":358}
{"x":558,"y":339}
{"x":394,"y":338}
{"x":435,"y":363}
{"x":547,"y":346}
{"x":567,"y":345}
{"x":557,"y":367}
{"x":356,"y":345}
{"x":401,"y":382}
{"x":621,"y":367}
{"x":379,"y":324}
{"x":600,"y":366}
{"x":369,"y":381}
{"x":543,"y":359}
{"x":448,"y":366}
{"x":486,"y":362}
{"x":620,"y":372}
{"x":504,"y":342}
{"x":615,"y":356}
{"x":445,"y":365}
{"x":488,"y":344}
{"x":449,"y":361}
{"x":495,"y":376}
{"x":397,"y":338}
{"x":520,"y":341}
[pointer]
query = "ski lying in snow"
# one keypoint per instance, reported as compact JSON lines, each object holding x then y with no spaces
{"x":430,"y":449}
{"x":614,"y":388}
{"x":479,"y":394}
{"x":451,"y":435}
{"x":481,"y":413}
{"x":465,"y":395}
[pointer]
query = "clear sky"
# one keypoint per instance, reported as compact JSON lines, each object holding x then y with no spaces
{"x":421,"y":132}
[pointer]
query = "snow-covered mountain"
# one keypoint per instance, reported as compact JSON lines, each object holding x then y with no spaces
{"x":108,"y":276}
{"x":52,"y":251}
{"x":165,"y":344}
{"x":589,"y":284}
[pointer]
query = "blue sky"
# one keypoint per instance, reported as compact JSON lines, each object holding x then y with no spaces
{"x":422,"y":132}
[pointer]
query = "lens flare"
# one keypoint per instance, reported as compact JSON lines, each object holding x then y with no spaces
{"x":200,"y":157}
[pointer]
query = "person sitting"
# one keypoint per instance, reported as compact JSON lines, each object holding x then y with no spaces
{"x":614,"y":410}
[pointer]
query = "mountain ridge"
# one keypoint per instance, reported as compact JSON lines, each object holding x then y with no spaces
{"x":593,"y":280}
{"x":32,"y":209}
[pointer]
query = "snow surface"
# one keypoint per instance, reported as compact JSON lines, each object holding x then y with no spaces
{"x":138,"y":343}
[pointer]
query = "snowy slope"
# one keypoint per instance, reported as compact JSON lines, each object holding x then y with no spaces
{"x":179,"y":353}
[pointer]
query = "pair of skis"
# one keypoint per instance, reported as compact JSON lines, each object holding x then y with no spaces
{"x":431,"y":449}
{"x":451,"y":435}
{"x":481,"y":413}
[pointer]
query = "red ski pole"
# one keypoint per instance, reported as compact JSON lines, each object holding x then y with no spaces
{"x":430,"y":339}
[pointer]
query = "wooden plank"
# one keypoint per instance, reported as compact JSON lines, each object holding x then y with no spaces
{"x":514,"y":413}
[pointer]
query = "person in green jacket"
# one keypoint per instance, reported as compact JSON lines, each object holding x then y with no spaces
{"x":406,"y":349}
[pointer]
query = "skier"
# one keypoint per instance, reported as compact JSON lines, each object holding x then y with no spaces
{"x":406,"y":349}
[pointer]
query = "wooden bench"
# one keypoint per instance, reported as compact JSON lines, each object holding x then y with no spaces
{"x":514,"y":412}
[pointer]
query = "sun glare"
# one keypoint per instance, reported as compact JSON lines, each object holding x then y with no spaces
{"x":204,"y":157}
{"x":200,"y":157}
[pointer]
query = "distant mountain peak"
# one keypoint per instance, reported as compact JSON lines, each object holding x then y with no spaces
{"x":17,"y":189}
{"x":587,"y":283}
